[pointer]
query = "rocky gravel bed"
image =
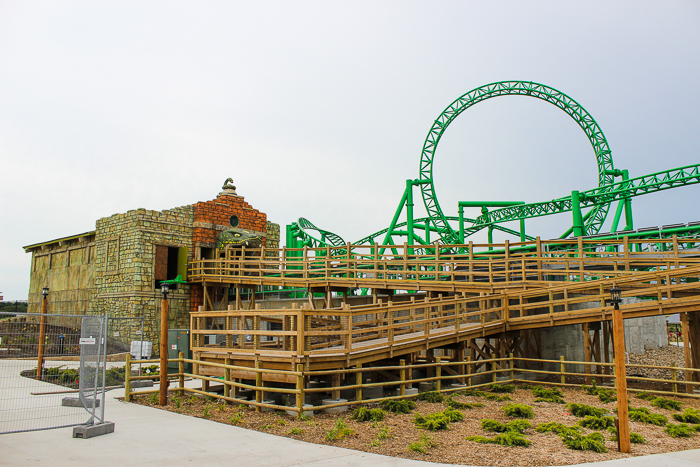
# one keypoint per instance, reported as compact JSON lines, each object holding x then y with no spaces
{"x":664,"y":356}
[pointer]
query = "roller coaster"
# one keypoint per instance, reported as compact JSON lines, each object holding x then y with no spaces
{"x":589,"y":208}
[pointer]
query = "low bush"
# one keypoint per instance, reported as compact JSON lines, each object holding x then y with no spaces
{"x":576,"y":441}
{"x":296,"y":431}
{"x":597,"y":423}
{"x":679,"y":431}
{"x":509,"y":438}
{"x":422,"y":446}
{"x":668,"y":404}
{"x":517,"y":426}
{"x":438,"y":420}
{"x":647,"y":396}
{"x":555,"y":427}
{"x":431,"y":396}
{"x":339,"y":431}
{"x":501,"y":388}
{"x":363,"y":414}
{"x":635,"y":438}
{"x":487,"y":395}
{"x":236,"y":418}
{"x":519,"y":411}
{"x":643,"y":415}
{"x":581,"y":410}
{"x":399,"y":406}
{"x":604,"y":395}
{"x":454,"y":404}
{"x":543,"y":394}
{"x":688,"y":416}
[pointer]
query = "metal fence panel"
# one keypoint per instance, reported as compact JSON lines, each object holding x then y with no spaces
{"x":29,"y":402}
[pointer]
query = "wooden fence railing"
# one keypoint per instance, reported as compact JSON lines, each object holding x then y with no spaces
{"x":540,"y":261}
{"x":304,"y":331}
{"x":461,"y":373}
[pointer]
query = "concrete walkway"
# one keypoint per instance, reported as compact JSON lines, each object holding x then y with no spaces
{"x":153,"y":437}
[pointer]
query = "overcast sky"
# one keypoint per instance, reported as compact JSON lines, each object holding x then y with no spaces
{"x":320,"y":109}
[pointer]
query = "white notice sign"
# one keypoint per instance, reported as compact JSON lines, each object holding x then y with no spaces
{"x":87,"y":341}
{"x":174,"y":346}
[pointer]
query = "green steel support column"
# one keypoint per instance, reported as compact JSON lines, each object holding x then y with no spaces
{"x":618,"y":214}
{"x":490,"y":237}
{"x":427,"y":231}
{"x":409,"y":210}
{"x":576,"y":210}
{"x":461,"y":224}
{"x":629,"y":221}
{"x":392,"y":226}
{"x":522,"y":230}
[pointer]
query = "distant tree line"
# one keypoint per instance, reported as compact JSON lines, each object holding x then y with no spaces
{"x":15,"y":306}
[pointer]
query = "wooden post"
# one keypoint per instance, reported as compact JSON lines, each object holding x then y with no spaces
{"x":300,"y":388}
{"x":623,"y":433}
{"x":181,"y":373}
{"x":42,"y":339}
{"x":685,"y":330}
{"x":587,"y":350}
{"x":358,"y":380}
{"x":562,"y":370}
{"x":227,"y":377}
{"x":127,"y":378}
{"x":258,"y":385}
{"x":469,"y":371}
{"x":512,"y":366}
{"x":438,"y":373}
{"x":674,"y":376}
{"x":402,"y":376}
{"x":163,"y":389}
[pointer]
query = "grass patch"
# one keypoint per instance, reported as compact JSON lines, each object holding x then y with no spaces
{"x":635,"y":438}
{"x":556,"y":427}
{"x":501,"y":388}
{"x":604,"y":395}
{"x":647,"y":396}
{"x":597,"y":423}
{"x":399,"y":406}
{"x":554,"y":395}
{"x":518,"y":411}
{"x":422,"y":446}
{"x":454,"y":404}
{"x":644,"y":415}
{"x":487,"y":395}
{"x":688,"y":416}
{"x":236,"y":418}
{"x":363,"y":414}
{"x":582,"y":410}
{"x":668,"y":404}
{"x":339,"y":431}
{"x":296,"y":431}
{"x":681,"y":430}
{"x":431,"y":396}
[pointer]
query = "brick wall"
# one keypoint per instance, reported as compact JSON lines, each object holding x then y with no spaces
{"x":208,"y":215}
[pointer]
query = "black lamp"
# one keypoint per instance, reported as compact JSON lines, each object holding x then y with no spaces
{"x":164,"y":289}
{"x":45,"y":292}
{"x":615,"y":296}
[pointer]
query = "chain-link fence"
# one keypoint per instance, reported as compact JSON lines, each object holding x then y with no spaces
{"x":52,"y":371}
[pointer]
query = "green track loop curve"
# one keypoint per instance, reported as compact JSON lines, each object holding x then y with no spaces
{"x":513,"y":88}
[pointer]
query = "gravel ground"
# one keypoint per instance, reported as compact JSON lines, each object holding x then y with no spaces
{"x":450,"y":446}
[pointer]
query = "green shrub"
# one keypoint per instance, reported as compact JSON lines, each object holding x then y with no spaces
{"x":454,"y":404}
{"x":543,"y":394}
{"x":597,"y":423}
{"x":679,"y":431}
{"x":576,"y":441}
{"x":431,"y":396}
{"x":509,"y":438}
{"x":363,"y":414}
{"x":417,"y":446}
{"x":497,"y":398}
{"x":647,"y":396}
{"x":642,"y":414}
{"x":236,"y":418}
{"x":154,"y":398}
{"x":605,"y":395}
{"x":519,"y":411}
{"x":296,"y":431}
{"x":581,"y":410}
{"x":339,"y":431}
{"x":207,"y":410}
{"x":517,"y":426}
{"x":501,"y":388}
{"x":635,"y":438}
{"x":555,"y":427}
{"x":668,"y":404}
{"x":399,"y":406}
{"x":486,"y":395}
{"x":688,"y":416}
{"x":438,"y":420}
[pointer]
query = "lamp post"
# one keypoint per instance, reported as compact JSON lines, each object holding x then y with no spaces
{"x":42,"y":334}
{"x":163,"y":392}
{"x":623,"y":427}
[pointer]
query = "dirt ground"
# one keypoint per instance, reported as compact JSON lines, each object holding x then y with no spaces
{"x":450,"y":446}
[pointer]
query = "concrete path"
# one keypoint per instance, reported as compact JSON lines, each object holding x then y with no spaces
{"x":153,"y":437}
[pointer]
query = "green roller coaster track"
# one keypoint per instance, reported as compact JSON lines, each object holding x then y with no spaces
{"x":596,"y":201}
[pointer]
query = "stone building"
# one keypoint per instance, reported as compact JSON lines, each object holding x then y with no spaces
{"x":117,"y":268}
